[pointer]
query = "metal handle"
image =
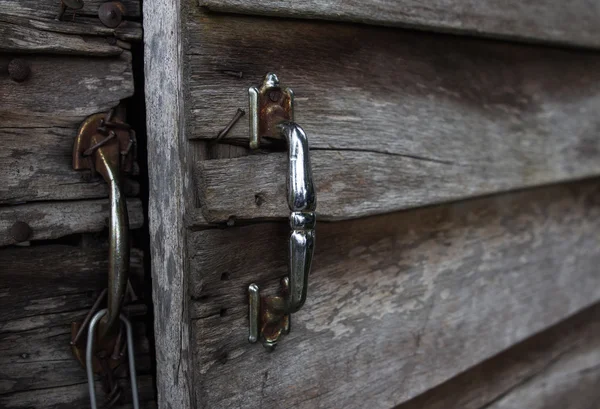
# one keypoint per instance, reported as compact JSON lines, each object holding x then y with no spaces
{"x":104,"y":145}
{"x":269,"y":316}
{"x":118,"y":252}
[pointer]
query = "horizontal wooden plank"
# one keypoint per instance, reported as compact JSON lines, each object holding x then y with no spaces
{"x":41,"y":168}
{"x":502,"y":378}
{"x":76,"y":396}
{"x":367,"y":88}
{"x":45,"y":284}
{"x":357,"y":184}
{"x":23,"y":35}
{"x":391,"y":108}
{"x":573,"y":23}
{"x":51,"y":220}
{"x":48,"y":9}
{"x":44,"y":289}
{"x":408,"y":300}
{"x":63,"y":90}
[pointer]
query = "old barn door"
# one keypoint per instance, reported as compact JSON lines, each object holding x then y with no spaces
{"x":457,"y":213}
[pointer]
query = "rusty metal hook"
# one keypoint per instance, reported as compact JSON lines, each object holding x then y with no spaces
{"x":103,"y":154}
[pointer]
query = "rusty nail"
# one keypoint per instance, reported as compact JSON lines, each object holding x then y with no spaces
{"x":238,"y":114}
{"x":275,"y":95}
{"x":111,"y":14}
{"x":20,"y":231}
{"x":69,"y":4}
{"x":238,"y":74}
{"x":18,"y":70}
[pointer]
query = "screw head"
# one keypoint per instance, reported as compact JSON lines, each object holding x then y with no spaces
{"x":18,"y":70}
{"x":275,"y":95}
{"x":73,"y":4}
{"x":20,"y":231}
{"x":111,"y":14}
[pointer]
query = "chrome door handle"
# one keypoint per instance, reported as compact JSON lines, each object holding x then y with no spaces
{"x":269,"y":316}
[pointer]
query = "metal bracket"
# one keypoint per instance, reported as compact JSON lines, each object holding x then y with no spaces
{"x":271,"y":116}
{"x":270,"y":105}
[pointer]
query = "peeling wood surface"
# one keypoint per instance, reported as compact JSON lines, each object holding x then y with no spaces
{"x":43,"y":290}
{"x":358,"y":184}
{"x":52,"y":220}
{"x":570,"y":350}
{"x":41,"y":168}
{"x":63,"y":90}
{"x":407,"y":301}
{"x":573,"y":23}
{"x":169,"y":198}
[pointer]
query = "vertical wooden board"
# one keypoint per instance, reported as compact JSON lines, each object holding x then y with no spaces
{"x":397,"y":304}
{"x":169,"y":199}
{"x":573,"y":23}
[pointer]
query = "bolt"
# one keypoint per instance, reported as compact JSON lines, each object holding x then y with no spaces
{"x":275,"y":95}
{"x":111,"y":13}
{"x":20,"y":231}
{"x":18,"y":70}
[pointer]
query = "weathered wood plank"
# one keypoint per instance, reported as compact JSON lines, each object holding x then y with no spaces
{"x":492,"y":115}
{"x":378,"y":89}
{"x":40,"y":284}
{"x":570,"y":383}
{"x":503,"y":376}
{"x":408,"y":300}
{"x":26,"y":35}
{"x":41,"y":168}
{"x":52,"y":220}
{"x":17,"y":38}
{"x":169,"y":184}
{"x":357,"y":184}
{"x":63,"y":90}
{"x":76,"y":396}
{"x":43,"y":290}
{"x":48,"y":9}
{"x":574,"y":23}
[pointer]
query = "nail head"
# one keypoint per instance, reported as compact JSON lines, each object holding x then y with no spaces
{"x":19,"y":69}
{"x":111,"y":14}
{"x":20,"y":231}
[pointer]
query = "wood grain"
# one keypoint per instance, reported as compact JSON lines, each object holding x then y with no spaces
{"x":41,"y":168}
{"x":63,"y":90}
{"x":22,"y":35}
{"x":574,"y":23}
{"x":52,"y":220}
{"x":169,"y":184}
{"x":358,"y":184}
{"x":43,"y":290}
{"x":503,"y":377}
{"x":407,"y":301}
{"x":395,"y":110}
{"x":440,"y":97}
{"x":48,"y":9}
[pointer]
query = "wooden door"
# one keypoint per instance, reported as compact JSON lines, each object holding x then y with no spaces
{"x":455,"y":156}
{"x":54,"y":250}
